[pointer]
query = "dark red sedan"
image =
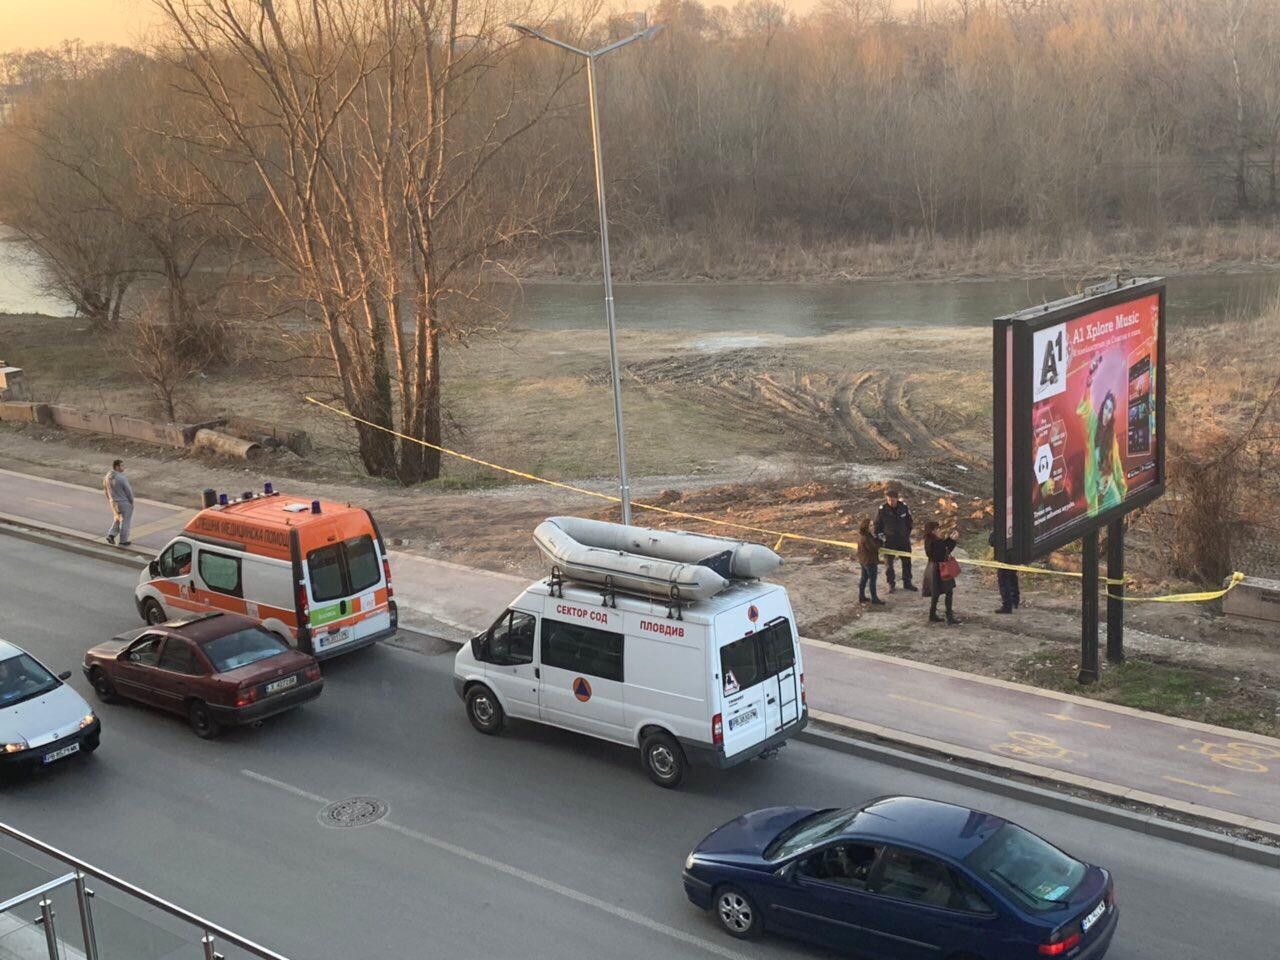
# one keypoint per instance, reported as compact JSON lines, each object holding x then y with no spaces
{"x":217,"y":670}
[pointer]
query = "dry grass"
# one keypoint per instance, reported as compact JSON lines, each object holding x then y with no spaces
{"x":718,"y":253}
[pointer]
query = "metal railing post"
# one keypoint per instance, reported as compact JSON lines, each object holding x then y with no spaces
{"x":209,"y":952}
{"x":46,"y":920}
{"x":87,"y":934}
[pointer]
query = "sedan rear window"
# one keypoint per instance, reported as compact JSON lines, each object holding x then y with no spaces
{"x":242,"y":648}
{"x":1033,"y":871}
{"x":22,"y":678}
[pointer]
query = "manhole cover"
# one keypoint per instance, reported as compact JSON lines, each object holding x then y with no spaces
{"x":353,"y":812}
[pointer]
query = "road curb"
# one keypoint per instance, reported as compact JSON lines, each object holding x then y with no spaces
{"x":123,"y":556}
{"x":944,"y":769}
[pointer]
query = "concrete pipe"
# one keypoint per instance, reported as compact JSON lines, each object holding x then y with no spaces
{"x":227,"y":445}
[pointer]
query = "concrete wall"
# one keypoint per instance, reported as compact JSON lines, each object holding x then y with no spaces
{"x":1254,"y":597}
{"x":105,"y":424}
{"x":20,"y":412}
{"x":148,"y":431}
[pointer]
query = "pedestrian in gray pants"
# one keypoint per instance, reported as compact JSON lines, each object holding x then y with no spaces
{"x":120,"y":497}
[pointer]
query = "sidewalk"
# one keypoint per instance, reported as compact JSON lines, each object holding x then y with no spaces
{"x":1227,"y":776}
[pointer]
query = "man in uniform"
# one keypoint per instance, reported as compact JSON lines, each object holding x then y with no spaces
{"x":893,"y":528}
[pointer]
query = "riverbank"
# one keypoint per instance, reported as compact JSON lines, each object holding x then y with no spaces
{"x":714,"y":255}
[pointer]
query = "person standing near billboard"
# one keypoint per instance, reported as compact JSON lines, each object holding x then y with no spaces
{"x":893,"y":528}
{"x":1104,"y":483}
{"x":941,"y":571}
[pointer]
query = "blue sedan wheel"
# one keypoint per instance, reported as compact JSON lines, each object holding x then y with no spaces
{"x":737,"y":913}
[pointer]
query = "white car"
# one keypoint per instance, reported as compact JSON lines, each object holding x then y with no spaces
{"x":42,"y":720}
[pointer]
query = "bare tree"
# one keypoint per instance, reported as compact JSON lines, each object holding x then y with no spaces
{"x":156,"y":354}
{"x":362,"y":146}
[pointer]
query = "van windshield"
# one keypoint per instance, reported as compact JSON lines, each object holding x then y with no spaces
{"x":22,"y":678}
{"x":342,"y":569}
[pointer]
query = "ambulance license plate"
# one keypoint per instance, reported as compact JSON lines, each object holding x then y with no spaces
{"x":285,"y":684}
{"x":1093,"y":917}
{"x":66,"y":751}
{"x":742,"y":719}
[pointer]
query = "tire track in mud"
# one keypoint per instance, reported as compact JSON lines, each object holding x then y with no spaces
{"x":901,"y":404}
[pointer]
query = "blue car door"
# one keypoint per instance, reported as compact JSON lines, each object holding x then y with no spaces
{"x":817,"y":897}
{"x":917,"y":908}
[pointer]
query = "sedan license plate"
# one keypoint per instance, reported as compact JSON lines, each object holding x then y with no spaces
{"x":742,"y":719}
{"x":278,"y":685}
{"x":1093,"y":917}
{"x":66,"y":751}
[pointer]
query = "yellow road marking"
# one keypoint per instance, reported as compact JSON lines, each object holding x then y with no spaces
{"x":50,"y":503}
{"x":938,"y":706}
{"x":1087,"y":723}
{"x":1221,"y":791}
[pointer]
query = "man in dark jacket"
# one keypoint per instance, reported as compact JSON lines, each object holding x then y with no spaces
{"x":893,"y":528}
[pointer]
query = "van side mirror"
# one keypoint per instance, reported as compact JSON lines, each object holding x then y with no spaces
{"x":154,"y":568}
{"x":480,"y":646}
{"x":65,"y":675}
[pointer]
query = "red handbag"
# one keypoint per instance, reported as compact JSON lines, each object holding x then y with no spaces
{"x":949,"y":569}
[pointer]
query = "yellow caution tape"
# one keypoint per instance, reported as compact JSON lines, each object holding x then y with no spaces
{"x":779,"y":534}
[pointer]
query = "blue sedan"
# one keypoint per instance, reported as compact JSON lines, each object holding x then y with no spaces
{"x":905,"y":878}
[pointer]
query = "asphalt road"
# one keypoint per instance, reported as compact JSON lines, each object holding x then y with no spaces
{"x":534,"y":844}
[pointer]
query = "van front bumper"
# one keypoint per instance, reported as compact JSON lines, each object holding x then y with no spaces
{"x":713,"y":756}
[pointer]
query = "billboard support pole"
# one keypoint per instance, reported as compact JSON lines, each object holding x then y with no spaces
{"x":1115,"y":590}
{"x":1089,"y":609}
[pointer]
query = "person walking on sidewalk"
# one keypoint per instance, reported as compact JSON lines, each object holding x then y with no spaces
{"x":1007,"y":580}
{"x":120,"y":498}
{"x":869,"y":559}
{"x":893,"y":527}
{"x":941,"y":571}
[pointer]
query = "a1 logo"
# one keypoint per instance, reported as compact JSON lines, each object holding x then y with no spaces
{"x":1049,"y":357}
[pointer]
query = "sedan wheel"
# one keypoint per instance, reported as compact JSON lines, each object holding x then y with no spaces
{"x":202,"y":721}
{"x":103,"y":686}
{"x":737,"y":914}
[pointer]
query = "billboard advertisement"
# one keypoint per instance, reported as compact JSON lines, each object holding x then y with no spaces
{"x":1079,"y":415}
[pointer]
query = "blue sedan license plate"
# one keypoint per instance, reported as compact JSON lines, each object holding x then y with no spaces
{"x":1093,"y":917}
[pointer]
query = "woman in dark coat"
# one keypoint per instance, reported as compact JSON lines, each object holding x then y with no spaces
{"x":937,"y":549}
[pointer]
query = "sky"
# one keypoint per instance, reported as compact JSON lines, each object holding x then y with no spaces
{"x":25,"y":24}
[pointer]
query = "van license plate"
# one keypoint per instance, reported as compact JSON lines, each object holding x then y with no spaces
{"x":284,"y":684}
{"x":1093,"y":917}
{"x":66,"y":751}
{"x":742,"y":719}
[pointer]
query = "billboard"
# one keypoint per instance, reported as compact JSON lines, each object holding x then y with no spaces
{"x":1079,"y":415}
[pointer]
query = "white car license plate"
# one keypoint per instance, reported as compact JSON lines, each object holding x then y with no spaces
{"x":278,"y":685}
{"x":1093,"y":917}
{"x":66,"y":751}
{"x":745,"y":717}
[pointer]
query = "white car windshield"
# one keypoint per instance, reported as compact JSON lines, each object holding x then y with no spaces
{"x":22,"y":678}
{"x":242,"y":648}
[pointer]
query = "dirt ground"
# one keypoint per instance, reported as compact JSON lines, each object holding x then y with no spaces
{"x":796,"y":434}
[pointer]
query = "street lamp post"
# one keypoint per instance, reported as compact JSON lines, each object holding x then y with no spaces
{"x":591,"y":56}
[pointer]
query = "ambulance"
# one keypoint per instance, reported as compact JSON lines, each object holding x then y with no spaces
{"x":621,"y":653}
{"x":313,"y":572}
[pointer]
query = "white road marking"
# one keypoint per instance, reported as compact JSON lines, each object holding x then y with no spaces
{"x":531,"y":878}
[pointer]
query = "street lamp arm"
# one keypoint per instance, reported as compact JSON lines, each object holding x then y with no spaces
{"x":539,"y":35}
{"x":642,"y":35}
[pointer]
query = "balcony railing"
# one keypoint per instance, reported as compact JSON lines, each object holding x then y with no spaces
{"x":54,"y":906}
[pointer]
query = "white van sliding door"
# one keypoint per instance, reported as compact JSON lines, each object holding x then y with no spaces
{"x":581,"y":679}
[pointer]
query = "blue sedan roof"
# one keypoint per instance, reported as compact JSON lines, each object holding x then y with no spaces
{"x":942,"y":828}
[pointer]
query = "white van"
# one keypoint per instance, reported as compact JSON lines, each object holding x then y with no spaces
{"x":717,"y":680}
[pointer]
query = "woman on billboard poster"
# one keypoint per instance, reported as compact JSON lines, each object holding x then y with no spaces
{"x":1104,"y":483}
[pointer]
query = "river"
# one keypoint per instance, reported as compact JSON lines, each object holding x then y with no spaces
{"x":787,"y":309}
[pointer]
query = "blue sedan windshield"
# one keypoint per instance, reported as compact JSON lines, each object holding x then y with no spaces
{"x":810,"y":830}
{"x":1032,"y":870}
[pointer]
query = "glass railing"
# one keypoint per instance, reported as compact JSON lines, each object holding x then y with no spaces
{"x":56,"y":907}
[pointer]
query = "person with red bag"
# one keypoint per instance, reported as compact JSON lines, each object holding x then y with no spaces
{"x":941,"y":571}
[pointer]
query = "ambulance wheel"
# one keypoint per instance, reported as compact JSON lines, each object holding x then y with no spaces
{"x":737,"y":913}
{"x":103,"y":686}
{"x":152,"y":612}
{"x":201,"y":720}
{"x":484,"y":711}
{"x":663,"y":760}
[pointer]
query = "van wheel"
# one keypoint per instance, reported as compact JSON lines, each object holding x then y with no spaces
{"x":152,"y":612}
{"x":737,"y":913}
{"x":484,"y":711}
{"x":663,"y":760}
{"x":103,"y":686}
{"x":201,"y":720}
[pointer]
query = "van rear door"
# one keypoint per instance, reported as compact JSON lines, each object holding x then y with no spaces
{"x":760,"y":688}
{"x":347,"y":592}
